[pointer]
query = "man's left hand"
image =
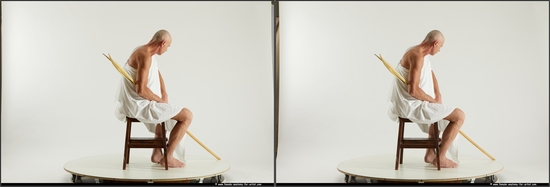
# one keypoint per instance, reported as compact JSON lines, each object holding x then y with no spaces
{"x":438,"y":100}
{"x":164,"y":99}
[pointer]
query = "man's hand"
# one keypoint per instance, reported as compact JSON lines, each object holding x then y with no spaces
{"x":164,"y":99}
{"x":438,"y":100}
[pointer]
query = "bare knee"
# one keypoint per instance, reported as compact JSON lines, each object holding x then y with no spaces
{"x":457,"y":116}
{"x":184,"y":116}
{"x":460,"y":115}
{"x":188,"y":114}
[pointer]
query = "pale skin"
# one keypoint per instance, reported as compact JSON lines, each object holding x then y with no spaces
{"x":141,"y":60}
{"x":413,"y":60}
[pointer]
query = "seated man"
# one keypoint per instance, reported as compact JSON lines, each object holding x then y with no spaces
{"x":420,"y":100}
{"x":147,"y":100}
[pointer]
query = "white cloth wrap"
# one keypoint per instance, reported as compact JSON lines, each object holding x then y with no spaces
{"x":150,"y":113}
{"x":423,"y":113}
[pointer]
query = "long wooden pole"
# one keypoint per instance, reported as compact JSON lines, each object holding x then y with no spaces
{"x":478,"y":147}
{"x":121,"y":71}
{"x":203,"y":146}
{"x":390,"y":68}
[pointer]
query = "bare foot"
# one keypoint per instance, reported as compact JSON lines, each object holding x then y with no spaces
{"x":430,"y":156}
{"x":156,"y":156}
{"x":445,"y":162}
{"x":172,"y":162}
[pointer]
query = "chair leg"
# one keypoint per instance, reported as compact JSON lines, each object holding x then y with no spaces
{"x":126,"y":159}
{"x":397,"y":155}
{"x":128,"y":156}
{"x":401,"y":156}
{"x":402,"y":137}
{"x":165,"y":148}
{"x":399,"y":152}
{"x":129,"y":136}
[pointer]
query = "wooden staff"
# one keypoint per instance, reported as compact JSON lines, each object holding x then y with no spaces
{"x":478,"y":147}
{"x":394,"y":72}
{"x":125,"y":74}
{"x":203,"y":146}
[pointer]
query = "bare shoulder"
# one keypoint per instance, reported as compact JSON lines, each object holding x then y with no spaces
{"x":139,"y":58}
{"x":414,"y":59}
{"x":410,"y":57}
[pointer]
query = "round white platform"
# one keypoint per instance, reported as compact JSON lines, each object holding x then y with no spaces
{"x":140,"y":168}
{"x":413,"y":169}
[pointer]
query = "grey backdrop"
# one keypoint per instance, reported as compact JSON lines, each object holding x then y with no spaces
{"x":334,"y":91}
{"x":58,"y":90}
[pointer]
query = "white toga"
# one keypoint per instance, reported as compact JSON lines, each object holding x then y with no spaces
{"x":420,"y":112}
{"x":150,"y":113}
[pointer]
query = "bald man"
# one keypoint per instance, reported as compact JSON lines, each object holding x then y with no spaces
{"x":147,"y":100}
{"x":420,"y":100}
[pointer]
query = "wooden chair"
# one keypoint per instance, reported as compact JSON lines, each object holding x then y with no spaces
{"x":417,"y":143}
{"x":143,"y":142}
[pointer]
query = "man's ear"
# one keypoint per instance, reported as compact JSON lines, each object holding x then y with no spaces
{"x":435,"y":43}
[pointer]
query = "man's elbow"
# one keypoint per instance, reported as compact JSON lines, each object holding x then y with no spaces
{"x":410,"y":93}
{"x":413,"y":92}
{"x":139,"y":90}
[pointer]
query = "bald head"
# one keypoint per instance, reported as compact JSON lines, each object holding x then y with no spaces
{"x":433,"y":42}
{"x":160,"y":41}
{"x":161,"y":35}
{"x":434,"y":35}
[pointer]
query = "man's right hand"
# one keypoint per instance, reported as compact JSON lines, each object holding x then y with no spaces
{"x":164,"y":100}
{"x":438,"y":100}
{"x":432,"y":100}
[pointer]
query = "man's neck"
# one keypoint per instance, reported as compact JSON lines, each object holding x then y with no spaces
{"x":150,"y":49}
{"x":424,"y":49}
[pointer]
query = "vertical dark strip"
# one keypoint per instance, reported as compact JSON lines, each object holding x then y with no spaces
{"x":1,"y":62}
{"x":275,"y":21}
{"x":276,"y":69}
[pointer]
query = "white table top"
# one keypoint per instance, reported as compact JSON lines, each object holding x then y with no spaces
{"x":141,"y":168}
{"x":382,"y":167}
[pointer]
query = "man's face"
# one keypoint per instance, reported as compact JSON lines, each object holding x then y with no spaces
{"x":165,"y":45}
{"x":438,"y":44}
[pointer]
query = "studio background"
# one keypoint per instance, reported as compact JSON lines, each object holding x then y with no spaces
{"x":58,"y":90}
{"x":334,"y":91}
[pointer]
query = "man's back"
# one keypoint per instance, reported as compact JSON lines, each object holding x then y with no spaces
{"x":410,"y":56}
{"x":405,"y":103}
{"x":414,"y":62}
{"x":149,"y":67}
{"x":130,"y":102}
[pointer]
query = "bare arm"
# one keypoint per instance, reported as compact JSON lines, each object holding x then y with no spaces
{"x":163,"y":89}
{"x":436,"y":89}
{"x":416,"y":62}
{"x":143,"y":65}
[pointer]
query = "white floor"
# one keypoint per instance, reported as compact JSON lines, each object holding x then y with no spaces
{"x":415,"y":169}
{"x":140,"y":167}
{"x":293,"y":169}
{"x":46,"y":166}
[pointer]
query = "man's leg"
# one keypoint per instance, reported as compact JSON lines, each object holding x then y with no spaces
{"x":430,"y":153}
{"x":157,"y":152}
{"x":456,"y":119}
{"x":183,"y":119}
